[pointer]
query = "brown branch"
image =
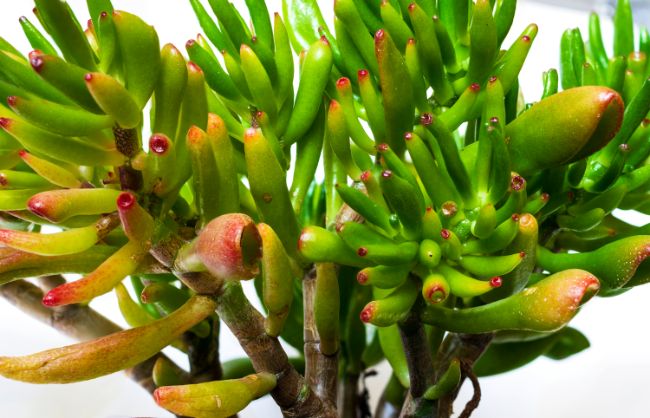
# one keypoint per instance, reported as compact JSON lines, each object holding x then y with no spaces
{"x":321,"y":371}
{"x":203,"y":354}
{"x":165,"y":252}
{"x":76,"y":321}
{"x":47,"y":283}
{"x":420,"y":365}
{"x":467,"y":348}
{"x":349,"y":396}
{"x":142,"y":373}
{"x":292,"y":394}
{"x":166,"y":249}
{"x":476,"y":397}
{"x":130,"y":178}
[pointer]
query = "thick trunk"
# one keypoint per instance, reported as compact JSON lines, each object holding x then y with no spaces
{"x":420,"y":365}
{"x":321,"y":371}
{"x":292,"y":394}
{"x":349,"y":397}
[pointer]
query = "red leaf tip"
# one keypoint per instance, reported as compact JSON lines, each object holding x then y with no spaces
{"x":362,"y":277}
{"x":191,"y":66}
{"x":159,"y":144}
{"x":436,"y":294}
{"x":517,"y":182}
{"x":496,"y":281}
{"x":368,"y":312}
{"x":449,"y":208}
{"x":51,"y":299}
{"x":34,"y":53}
{"x":36,"y":63}
{"x":37,"y":206}
{"x":250,"y":134}
{"x":527,"y":220}
{"x":126,"y":200}
{"x":156,"y":395}
{"x":343,"y":82}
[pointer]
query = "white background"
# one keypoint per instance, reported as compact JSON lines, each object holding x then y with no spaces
{"x":608,"y":380}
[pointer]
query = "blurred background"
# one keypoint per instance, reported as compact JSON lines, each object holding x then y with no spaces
{"x":607,"y":380}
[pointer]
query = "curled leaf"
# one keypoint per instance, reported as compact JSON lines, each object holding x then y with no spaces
{"x":230,"y":247}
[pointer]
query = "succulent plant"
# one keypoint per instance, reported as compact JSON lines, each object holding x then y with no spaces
{"x":456,"y":232}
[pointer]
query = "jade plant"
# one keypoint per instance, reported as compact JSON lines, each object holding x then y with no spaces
{"x":457,"y":230}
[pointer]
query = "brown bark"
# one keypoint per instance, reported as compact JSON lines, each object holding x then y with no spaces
{"x":321,"y":371}
{"x":165,"y":252}
{"x":47,"y":283}
{"x":203,"y":354}
{"x":420,"y":365}
{"x":349,"y":396}
{"x":467,"y":348}
{"x":292,"y":394}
